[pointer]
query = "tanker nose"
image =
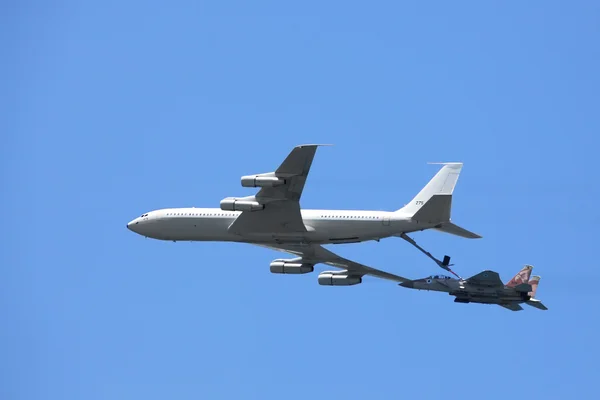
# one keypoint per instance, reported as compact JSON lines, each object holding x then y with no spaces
{"x":132,"y":225}
{"x":408,"y":284}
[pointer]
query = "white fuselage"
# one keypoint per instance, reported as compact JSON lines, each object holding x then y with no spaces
{"x":323,"y":226}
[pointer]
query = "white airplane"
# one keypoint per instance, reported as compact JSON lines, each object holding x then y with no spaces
{"x":272,"y":218}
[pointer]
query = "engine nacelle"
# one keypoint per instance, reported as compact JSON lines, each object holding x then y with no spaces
{"x":233,"y":204}
{"x":291,"y":267}
{"x":337,"y":279}
{"x":261,"y":181}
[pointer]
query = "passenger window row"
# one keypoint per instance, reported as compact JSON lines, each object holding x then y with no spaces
{"x":201,"y":214}
{"x":349,"y":216}
{"x":231,"y":215}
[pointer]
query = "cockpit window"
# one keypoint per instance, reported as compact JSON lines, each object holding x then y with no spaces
{"x":440,"y":277}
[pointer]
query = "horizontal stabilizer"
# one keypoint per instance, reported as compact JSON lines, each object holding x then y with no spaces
{"x":511,"y":306}
{"x":453,"y":229}
{"x":537,"y":304}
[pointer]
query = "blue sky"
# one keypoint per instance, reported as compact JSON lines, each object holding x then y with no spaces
{"x":111,"y":109}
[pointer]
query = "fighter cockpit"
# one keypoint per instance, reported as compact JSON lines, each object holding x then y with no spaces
{"x":440,"y":277}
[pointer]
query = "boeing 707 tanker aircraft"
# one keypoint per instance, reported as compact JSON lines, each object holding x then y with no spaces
{"x":272,"y":218}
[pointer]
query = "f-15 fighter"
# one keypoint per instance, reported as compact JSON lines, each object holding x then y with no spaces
{"x":486,"y":288}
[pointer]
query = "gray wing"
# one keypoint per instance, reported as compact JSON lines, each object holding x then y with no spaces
{"x":511,"y":306}
{"x":486,"y":278}
{"x":318,"y":254}
{"x":282,"y":203}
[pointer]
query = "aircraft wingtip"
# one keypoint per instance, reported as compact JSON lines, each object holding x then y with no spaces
{"x":314,"y":145}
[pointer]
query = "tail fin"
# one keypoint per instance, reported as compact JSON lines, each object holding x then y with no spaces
{"x":441,"y":184}
{"x":534,"y":282}
{"x":433,"y":204}
{"x":533,"y":302}
{"x":521,"y":277}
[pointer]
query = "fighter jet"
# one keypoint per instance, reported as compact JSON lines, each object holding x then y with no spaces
{"x":486,"y":288}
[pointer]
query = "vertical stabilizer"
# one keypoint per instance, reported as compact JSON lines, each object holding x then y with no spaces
{"x":521,"y":277}
{"x":433,"y":204}
{"x":534,"y":282}
{"x":441,"y":184}
{"x":533,"y":302}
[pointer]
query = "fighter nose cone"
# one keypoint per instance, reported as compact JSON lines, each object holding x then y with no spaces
{"x":408,"y":284}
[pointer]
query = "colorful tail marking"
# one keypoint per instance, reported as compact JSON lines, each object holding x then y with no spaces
{"x":521,"y":277}
{"x":534,"y":282}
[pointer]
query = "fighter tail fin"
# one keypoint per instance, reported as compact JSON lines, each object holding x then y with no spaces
{"x":533,"y":302}
{"x":521,"y":277}
{"x":534,"y":282}
{"x":433,"y":204}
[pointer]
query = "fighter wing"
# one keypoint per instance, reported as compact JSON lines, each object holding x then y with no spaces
{"x":280,"y":194}
{"x":486,"y":278}
{"x":318,"y":254}
{"x":511,"y":306}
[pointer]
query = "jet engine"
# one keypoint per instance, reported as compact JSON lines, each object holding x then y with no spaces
{"x":295,"y":266}
{"x":335,"y":278}
{"x":525,"y":296}
{"x":234,"y":204}
{"x":261,"y":181}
